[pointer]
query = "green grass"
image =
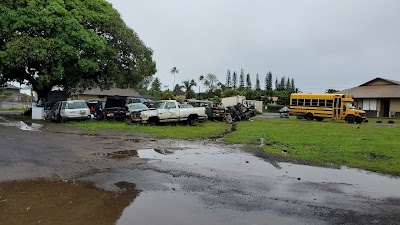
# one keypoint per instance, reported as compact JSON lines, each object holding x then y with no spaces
{"x":12,"y":109}
{"x":369,"y":147}
{"x":383,"y":120}
{"x":202,"y":130}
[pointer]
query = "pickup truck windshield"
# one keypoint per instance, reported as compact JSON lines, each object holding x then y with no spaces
{"x":158,"y":105}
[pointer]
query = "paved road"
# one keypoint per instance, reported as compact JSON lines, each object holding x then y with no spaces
{"x":180,"y":182}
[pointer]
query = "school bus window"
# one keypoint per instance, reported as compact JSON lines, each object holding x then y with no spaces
{"x":307,"y":102}
{"x":301,"y":102}
{"x":314,"y":102}
{"x":321,"y":103}
{"x":294,"y":101}
{"x":329,"y":103}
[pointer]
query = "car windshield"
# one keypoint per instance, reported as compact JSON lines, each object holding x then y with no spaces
{"x":76,"y":105}
{"x":350,"y":105}
{"x":137,"y":106}
{"x":158,"y":105}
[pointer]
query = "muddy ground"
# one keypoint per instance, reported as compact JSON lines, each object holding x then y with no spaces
{"x":51,"y":174}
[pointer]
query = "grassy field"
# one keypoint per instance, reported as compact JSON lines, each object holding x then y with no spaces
{"x":202,"y":130}
{"x":12,"y":109}
{"x":369,"y":146}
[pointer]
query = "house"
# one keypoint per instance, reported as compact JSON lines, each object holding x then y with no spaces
{"x":9,"y":88}
{"x":379,"y":97}
{"x":96,"y":93}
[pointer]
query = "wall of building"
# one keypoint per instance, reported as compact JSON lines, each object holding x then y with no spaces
{"x":395,"y":107}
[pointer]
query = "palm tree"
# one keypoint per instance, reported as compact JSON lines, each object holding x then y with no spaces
{"x":174,"y":71}
{"x":188,"y":87}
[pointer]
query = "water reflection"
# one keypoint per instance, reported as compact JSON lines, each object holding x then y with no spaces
{"x":242,"y":164}
{"x":62,"y":202}
{"x":21,"y":125}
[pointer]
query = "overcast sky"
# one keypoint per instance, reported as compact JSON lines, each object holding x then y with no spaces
{"x":335,"y":44}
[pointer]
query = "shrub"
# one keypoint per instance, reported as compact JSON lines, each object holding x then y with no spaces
{"x":273,"y":108}
{"x":390,"y":121}
{"x":378,"y":121}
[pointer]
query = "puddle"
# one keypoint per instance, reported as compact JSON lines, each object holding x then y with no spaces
{"x":244,"y":164}
{"x":123,"y":154}
{"x":159,"y":208}
{"x":21,"y":124}
{"x":62,"y":202}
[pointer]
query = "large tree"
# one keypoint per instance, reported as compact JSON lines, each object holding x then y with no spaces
{"x":248,"y":82}
{"x":241,"y":80}
{"x":258,"y":86}
{"x":228,"y":79}
{"x":76,"y":44}
{"x":268,"y":81}
{"x":210,"y":81}
{"x":234,"y":81}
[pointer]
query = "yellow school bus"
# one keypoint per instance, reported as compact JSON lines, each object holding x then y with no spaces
{"x":320,"y":106}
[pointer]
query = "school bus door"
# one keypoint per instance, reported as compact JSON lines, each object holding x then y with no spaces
{"x":337,"y":105}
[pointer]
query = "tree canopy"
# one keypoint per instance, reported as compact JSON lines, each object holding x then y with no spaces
{"x":76,"y":44}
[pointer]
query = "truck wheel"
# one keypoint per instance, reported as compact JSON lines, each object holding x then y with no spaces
{"x":309,"y":116}
{"x":152,"y":122}
{"x":192,"y":121}
{"x":319,"y":118}
{"x":351,"y":119}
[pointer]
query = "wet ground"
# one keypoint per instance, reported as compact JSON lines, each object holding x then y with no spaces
{"x":54,"y":175}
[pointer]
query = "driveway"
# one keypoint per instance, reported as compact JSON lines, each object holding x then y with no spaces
{"x":54,"y":175}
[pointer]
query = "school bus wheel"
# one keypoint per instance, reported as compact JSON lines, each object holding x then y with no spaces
{"x":309,"y":116}
{"x":351,"y":119}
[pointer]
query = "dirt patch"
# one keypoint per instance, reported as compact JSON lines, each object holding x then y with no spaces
{"x":374,"y":156}
{"x":123,"y":154}
{"x":62,"y":202}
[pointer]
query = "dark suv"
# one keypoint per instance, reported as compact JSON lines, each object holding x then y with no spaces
{"x":115,"y":108}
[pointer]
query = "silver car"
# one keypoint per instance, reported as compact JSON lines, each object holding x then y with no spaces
{"x":70,"y":110}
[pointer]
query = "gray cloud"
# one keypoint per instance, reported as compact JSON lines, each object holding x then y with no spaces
{"x":321,"y":44}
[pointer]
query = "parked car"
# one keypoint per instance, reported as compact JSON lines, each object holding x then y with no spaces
{"x":92,"y":105}
{"x":115,"y":108}
{"x":284,"y":112}
{"x":169,"y":111}
{"x":70,"y":110}
{"x":99,"y":110}
{"x":135,"y":109}
{"x":138,"y":100}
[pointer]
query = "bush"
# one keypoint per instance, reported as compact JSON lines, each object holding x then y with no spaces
{"x":390,"y":121}
{"x":273,"y":108}
{"x":378,"y":121}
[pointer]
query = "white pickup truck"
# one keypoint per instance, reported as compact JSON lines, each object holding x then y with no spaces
{"x":170,"y":111}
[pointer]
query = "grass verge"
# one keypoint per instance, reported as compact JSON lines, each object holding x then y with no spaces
{"x":373,"y":148}
{"x":12,"y":109}
{"x":202,"y":130}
